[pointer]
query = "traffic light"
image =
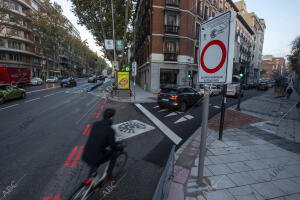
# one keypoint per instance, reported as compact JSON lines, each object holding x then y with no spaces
{"x":127,"y":69}
{"x":189,"y":75}
{"x":96,"y":61}
{"x":241,"y":75}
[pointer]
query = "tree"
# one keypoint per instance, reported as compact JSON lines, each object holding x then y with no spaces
{"x":97,"y":17}
{"x":295,"y":51}
{"x":263,"y":71}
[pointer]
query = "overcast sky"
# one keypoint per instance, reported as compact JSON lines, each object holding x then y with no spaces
{"x":282,"y":20}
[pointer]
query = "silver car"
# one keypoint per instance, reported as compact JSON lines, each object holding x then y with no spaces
{"x":234,"y":89}
{"x":52,"y":79}
{"x":36,"y":81}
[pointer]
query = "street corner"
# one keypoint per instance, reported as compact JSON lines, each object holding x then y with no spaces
{"x":233,"y":119}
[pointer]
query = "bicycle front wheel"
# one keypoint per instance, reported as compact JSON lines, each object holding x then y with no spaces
{"x":120,"y":163}
{"x":80,"y":191}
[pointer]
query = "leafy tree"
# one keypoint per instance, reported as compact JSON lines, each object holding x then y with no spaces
{"x":97,"y":17}
{"x":295,"y":51}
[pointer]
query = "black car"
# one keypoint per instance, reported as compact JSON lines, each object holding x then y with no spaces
{"x":262,"y":85}
{"x":68,"y":82}
{"x":178,"y":97}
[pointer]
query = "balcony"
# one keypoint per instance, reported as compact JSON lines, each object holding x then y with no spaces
{"x":170,"y":56}
{"x":171,"y":29}
{"x":172,"y":3}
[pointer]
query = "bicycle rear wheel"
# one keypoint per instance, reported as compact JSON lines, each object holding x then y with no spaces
{"x":120,"y":163}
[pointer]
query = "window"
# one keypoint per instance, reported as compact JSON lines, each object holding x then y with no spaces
{"x":14,"y":45}
{"x":13,"y":32}
{"x":34,"y":5}
{"x":197,"y":30}
{"x":14,"y":57}
{"x":188,"y":90}
{"x":6,"y":4}
{"x":171,"y":19}
{"x":2,"y":43}
{"x":13,"y":6}
{"x":170,"y":47}
{"x":2,"y":56}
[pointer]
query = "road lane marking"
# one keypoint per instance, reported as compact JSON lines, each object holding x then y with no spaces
{"x":86,"y":113}
{"x":9,"y":106}
{"x":171,"y":114}
{"x":88,"y":134}
{"x":53,"y":94}
{"x":47,"y":197}
{"x":71,"y":156}
{"x":189,"y":117}
{"x":77,"y":157}
{"x":156,"y":107}
{"x":217,"y":107}
{"x":168,"y":132}
{"x":86,"y":128}
{"x":94,"y":115}
{"x":32,"y":100}
{"x":98,"y":115}
{"x":41,"y":90}
{"x":101,"y":107}
{"x":163,"y":110}
{"x":56,"y":197}
{"x":184,"y":118}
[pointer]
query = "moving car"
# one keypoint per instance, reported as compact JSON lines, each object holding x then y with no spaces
{"x":14,"y":75}
{"x":68,"y":82}
{"x":213,"y":90}
{"x":36,"y":81}
{"x":234,"y":90}
{"x":8,"y":92}
{"x":178,"y":97}
{"x":101,"y":78}
{"x":92,"y":79}
{"x":262,"y":85}
{"x":52,"y":79}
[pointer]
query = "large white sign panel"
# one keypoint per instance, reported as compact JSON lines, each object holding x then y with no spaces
{"x":217,"y":49}
{"x":109,"y":44}
{"x":130,"y":128}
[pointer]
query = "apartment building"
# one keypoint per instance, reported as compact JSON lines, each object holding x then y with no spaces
{"x":19,"y":47}
{"x":166,"y":42}
{"x":258,"y":26}
{"x":273,"y":65}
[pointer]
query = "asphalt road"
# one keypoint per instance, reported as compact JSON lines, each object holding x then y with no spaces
{"x":42,"y":137}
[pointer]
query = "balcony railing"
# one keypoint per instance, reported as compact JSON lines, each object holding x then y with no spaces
{"x":170,"y":56}
{"x":172,"y":2}
{"x":171,"y":29}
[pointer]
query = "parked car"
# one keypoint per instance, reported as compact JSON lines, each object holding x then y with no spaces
{"x":262,"y":85}
{"x":8,"y":92}
{"x":213,"y":90}
{"x":92,"y":79}
{"x":36,"y":81}
{"x":234,"y":89}
{"x":178,"y":97}
{"x":68,"y":82}
{"x":101,"y":78}
{"x":52,"y":79}
{"x":14,"y":75}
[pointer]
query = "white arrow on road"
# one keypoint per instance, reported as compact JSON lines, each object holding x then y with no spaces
{"x":184,"y":118}
{"x":171,"y":114}
{"x":163,"y":110}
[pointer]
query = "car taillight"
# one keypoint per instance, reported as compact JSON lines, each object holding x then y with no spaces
{"x":235,"y":90}
{"x":173,"y":96}
{"x":158,"y":94}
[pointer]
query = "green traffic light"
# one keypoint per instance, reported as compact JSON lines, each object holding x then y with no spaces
{"x":127,"y":69}
{"x":241,"y":75}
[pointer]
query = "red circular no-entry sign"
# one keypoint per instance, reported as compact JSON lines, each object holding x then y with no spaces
{"x":217,"y":68}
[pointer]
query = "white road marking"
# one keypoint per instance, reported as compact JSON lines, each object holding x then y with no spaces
{"x":168,"y":132}
{"x":40,"y":90}
{"x":32,"y":100}
{"x":182,"y":119}
{"x":130,"y":129}
{"x":87,"y":112}
{"x":171,"y":114}
{"x":9,"y":106}
{"x":156,"y":107}
{"x":163,"y":110}
{"x":189,"y":117}
{"x":179,"y":112}
{"x":217,"y":107}
{"x":52,"y":94}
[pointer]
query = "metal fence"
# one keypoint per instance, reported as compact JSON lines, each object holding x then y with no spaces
{"x":163,"y":186}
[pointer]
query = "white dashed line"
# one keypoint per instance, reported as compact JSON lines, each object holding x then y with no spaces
{"x":217,"y":107}
{"x":32,"y":100}
{"x":40,"y":90}
{"x":9,"y":106}
{"x":168,"y":132}
{"x":52,"y":94}
{"x":163,"y":110}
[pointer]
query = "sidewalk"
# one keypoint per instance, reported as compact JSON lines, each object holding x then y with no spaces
{"x":141,"y":96}
{"x":253,"y":161}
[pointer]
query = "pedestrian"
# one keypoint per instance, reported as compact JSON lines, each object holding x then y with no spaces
{"x":289,"y":91}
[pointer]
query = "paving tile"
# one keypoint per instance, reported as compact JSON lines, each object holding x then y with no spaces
{"x":262,"y":175}
{"x":251,"y":155}
{"x":190,"y":198}
{"x":268,"y":190}
{"x":233,"y":143}
{"x":238,"y":167}
{"x":219,"y":169}
{"x":293,"y":197}
{"x":219,"y":195}
{"x":207,"y":160}
{"x":293,"y":169}
{"x":257,"y":164}
{"x":221,"y":182}
{"x":287,"y":186}
{"x":242,"y":178}
{"x":218,"y":144}
{"x":176,"y":192}
{"x":259,"y":141}
{"x":194,"y":172}
{"x":245,"y":193}
{"x":180,"y":174}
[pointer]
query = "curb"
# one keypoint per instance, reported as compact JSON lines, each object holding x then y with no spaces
{"x":94,"y":87}
{"x":130,"y":100}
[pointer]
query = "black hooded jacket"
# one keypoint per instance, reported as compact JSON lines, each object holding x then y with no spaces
{"x":101,"y":136}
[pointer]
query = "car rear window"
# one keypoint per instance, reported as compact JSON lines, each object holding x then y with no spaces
{"x":169,"y":90}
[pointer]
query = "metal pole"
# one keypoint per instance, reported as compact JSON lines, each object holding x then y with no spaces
{"x":203,"y":137}
{"x":239,"y":97}
{"x":222,"y":112}
{"x":113,"y":25}
{"x":134,"y":87}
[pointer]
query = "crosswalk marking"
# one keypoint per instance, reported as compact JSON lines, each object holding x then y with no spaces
{"x":163,"y":110}
{"x":217,"y":107}
{"x":171,"y":114}
{"x":184,"y":118}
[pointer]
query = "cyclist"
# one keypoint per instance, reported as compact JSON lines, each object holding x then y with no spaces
{"x":102,"y":136}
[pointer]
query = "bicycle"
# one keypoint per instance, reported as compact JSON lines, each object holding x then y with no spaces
{"x":89,"y":187}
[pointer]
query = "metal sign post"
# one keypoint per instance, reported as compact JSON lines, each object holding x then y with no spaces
{"x":216,"y":50}
{"x":133,"y":71}
{"x":222,"y":112}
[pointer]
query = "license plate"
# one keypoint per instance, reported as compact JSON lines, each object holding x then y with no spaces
{"x":165,"y":99}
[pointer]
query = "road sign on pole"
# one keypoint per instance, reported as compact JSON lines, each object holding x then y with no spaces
{"x":217,"y":49}
{"x":109,"y":44}
{"x":215,"y":66}
{"x":115,"y":66}
{"x":133,"y":69}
